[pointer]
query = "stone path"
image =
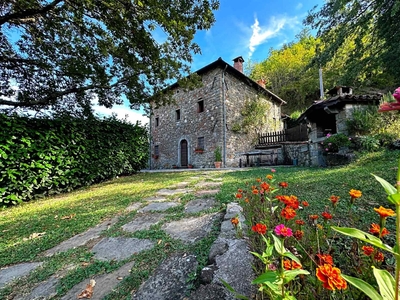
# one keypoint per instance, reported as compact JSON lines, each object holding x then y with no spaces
{"x":228,"y":258}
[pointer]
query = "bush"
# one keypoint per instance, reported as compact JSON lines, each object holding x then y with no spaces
{"x":336,"y":141}
{"x":364,"y":121}
{"x":39,"y":157}
{"x":369,"y":143}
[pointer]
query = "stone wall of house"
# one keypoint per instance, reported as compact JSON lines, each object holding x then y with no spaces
{"x":304,"y":154}
{"x":192,"y":124}
{"x":207,"y":124}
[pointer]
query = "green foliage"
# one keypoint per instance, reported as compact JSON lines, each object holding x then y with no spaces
{"x":218,"y":154}
{"x":363,"y":120}
{"x":369,"y":143}
{"x":59,"y":53}
{"x":255,"y":115}
{"x":333,"y":142}
{"x":46,"y":156}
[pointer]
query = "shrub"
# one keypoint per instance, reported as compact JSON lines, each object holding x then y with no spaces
{"x":336,"y":141}
{"x":39,"y":157}
{"x":364,"y":121}
{"x":369,"y":143}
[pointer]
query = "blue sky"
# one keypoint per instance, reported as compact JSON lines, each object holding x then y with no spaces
{"x":244,"y":28}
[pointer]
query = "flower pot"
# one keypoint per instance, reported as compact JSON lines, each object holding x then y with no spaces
{"x":217,"y":164}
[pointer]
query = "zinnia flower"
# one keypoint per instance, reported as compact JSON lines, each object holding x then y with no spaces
{"x":299,"y":222}
{"x":259,"y":228}
{"x":324,"y":259}
{"x":379,"y":257}
{"x":313,"y":217}
{"x":291,"y":265}
{"x":258,"y":179}
{"x":269,"y":176}
{"x":376,"y":230}
{"x":298,"y":234}
{"x":282,"y":230}
{"x":240,"y":191}
{"x":331,"y":277}
{"x":368,"y":250}
{"x":246,"y":200}
{"x":305,"y":203}
{"x":264,"y":186}
{"x":238,"y":195}
{"x":273,"y":170}
{"x":355,"y":194}
{"x":255,"y":192}
{"x":334,"y":199}
{"x":384,"y":212}
{"x":288,"y":213}
{"x":235,"y":221}
{"x":283,"y":184}
{"x":326,"y":215}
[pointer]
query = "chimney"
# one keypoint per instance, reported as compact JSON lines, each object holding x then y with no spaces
{"x":261,"y":82}
{"x":238,"y":63}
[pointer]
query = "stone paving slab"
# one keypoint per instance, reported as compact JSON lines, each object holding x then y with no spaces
{"x":81,"y":239}
{"x":170,"y":192}
{"x":155,"y":199}
{"x":206,"y":193}
{"x":169,"y":280}
{"x":180,"y":185}
{"x":158,"y":206}
{"x":104,"y":284}
{"x":190,"y":230}
{"x":143,"y":222}
{"x":208,"y":184}
{"x":8,"y":274}
{"x":119,"y":248}
{"x":134,"y":206}
{"x":199,"y":205}
{"x":45,"y":290}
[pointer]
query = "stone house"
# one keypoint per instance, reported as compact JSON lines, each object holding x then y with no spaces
{"x":188,"y":131}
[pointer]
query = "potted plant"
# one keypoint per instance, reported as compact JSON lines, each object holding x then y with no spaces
{"x":199,"y":150}
{"x":218,"y":157}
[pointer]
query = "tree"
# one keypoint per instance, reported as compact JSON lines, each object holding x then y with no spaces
{"x":373,"y":27}
{"x":63,"y":53}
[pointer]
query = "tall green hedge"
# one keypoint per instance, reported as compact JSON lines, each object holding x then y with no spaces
{"x":45,"y":156}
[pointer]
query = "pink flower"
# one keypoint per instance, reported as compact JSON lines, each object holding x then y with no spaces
{"x":326,"y":149}
{"x":273,"y":170}
{"x":328,"y":135}
{"x":282,"y":230}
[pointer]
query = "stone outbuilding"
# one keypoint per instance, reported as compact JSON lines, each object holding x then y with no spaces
{"x":188,"y":131}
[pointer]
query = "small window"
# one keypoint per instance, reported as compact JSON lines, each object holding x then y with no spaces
{"x":200,"y":106}
{"x":178,"y":114}
{"x":200,"y":143}
{"x":157,"y":122}
{"x":156,"y":150}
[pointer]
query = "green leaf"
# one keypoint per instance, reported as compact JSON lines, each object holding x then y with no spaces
{"x":268,"y":276}
{"x":390,"y":189}
{"x":394,"y":198}
{"x":363,"y":286}
{"x":289,"y":275}
{"x":228,"y":286}
{"x":365,"y":237}
{"x":292,"y":256}
{"x":278,"y":245}
{"x":385,"y":282}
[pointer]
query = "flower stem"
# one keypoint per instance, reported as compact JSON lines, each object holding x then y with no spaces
{"x":397,"y":281}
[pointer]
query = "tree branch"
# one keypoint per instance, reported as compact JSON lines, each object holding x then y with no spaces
{"x":28,"y":12}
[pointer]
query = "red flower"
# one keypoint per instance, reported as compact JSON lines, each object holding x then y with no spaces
{"x":291,"y":265}
{"x":240,"y":191}
{"x":305,"y":203}
{"x":298,"y":235}
{"x":324,"y":259}
{"x":265,"y":186}
{"x":288,"y":213}
{"x":368,"y":250}
{"x":331,"y":277}
{"x":379,"y":257}
{"x":258,"y":179}
{"x":238,"y":195}
{"x":259,"y":228}
{"x":334,"y":199}
{"x":326,"y":215}
{"x":255,"y":192}
{"x":375,"y":229}
{"x":283,"y":184}
{"x":299,"y":222}
{"x":313,"y":217}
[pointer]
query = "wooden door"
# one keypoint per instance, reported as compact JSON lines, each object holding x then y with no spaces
{"x":184,"y":153}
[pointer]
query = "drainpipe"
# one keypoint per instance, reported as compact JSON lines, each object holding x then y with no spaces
{"x":224,"y":117}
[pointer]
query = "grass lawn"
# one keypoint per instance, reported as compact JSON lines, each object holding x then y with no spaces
{"x":61,"y":217}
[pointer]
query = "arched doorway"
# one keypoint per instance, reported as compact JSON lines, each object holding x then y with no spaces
{"x":184,"y":153}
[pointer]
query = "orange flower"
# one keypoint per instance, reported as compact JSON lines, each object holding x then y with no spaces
{"x":288,"y":213}
{"x":355,"y":194}
{"x":324,"y":259}
{"x":289,"y":201}
{"x":269,"y":177}
{"x":291,"y":265}
{"x":265,"y":186}
{"x":299,"y":222}
{"x":331,"y":277}
{"x":334,"y":199}
{"x":235,"y":221}
{"x":238,"y":195}
{"x":379,"y":257}
{"x":255,"y":192}
{"x":246,"y":200}
{"x":376,"y":230}
{"x":326,"y":215}
{"x":368,"y":250}
{"x":313,"y":217}
{"x":305,"y":203}
{"x":258,"y":179}
{"x":240,"y":191}
{"x":259,"y":228}
{"x":384,"y":212}
{"x":298,"y":235}
{"x":283,"y":184}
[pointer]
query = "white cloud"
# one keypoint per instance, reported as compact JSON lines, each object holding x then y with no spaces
{"x":122,"y":112}
{"x":261,"y":35}
{"x":299,"y":6}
